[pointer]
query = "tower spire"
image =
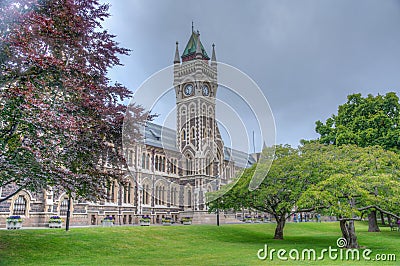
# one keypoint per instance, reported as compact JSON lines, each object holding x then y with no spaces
{"x":213,"y":57}
{"x":199,"y":54}
{"x":192,"y":27}
{"x":176,"y":59}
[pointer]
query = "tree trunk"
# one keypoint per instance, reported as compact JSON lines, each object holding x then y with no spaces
{"x":68,"y":212}
{"x":383,"y":218}
{"x":280,"y":224}
{"x":349,"y":233}
{"x":372,"y":222}
{"x":389,"y":219}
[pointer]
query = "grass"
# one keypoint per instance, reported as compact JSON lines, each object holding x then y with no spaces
{"x":181,"y":245}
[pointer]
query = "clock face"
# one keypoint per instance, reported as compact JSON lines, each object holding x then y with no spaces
{"x":188,"y":89}
{"x":206,"y":90}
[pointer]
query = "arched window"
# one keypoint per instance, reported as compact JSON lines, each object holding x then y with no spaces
{"x":64,"y":207}
{"x":159,"y":195}
{"x":20,"y":206}
{"x":173,"y":196}
{"x":183,"y":134}
{"x":124,"y":191}
{"x":155,"y":195}
{"x":148,"y":161}
{"x":147,"y":192}
{"x":176,"y":162}
{"x":189,"y":199}
{"x":112,"y":192}
{"x":144,"y":160}
{"x":193,"y":134}
{"x":162,"y":164}
{"x":144,"y":195}
{"x":156,"y":163}
{"x":208,"y":169}
{"x":163,"y":195}
{"x":129,"y":192}
{"x":189,"y":165}
{"x":172,"y":166}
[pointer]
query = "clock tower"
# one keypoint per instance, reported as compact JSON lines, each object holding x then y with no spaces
{"x":198,"y":138}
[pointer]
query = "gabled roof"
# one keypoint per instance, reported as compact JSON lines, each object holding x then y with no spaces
{"x":161,"y":137}
{"x":240,"y":158}
{"x":190,"y":51}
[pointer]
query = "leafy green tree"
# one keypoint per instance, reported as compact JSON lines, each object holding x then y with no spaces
{"x":360,"y":179}
{"x":277,"y":194}
{"x":365,"y":122}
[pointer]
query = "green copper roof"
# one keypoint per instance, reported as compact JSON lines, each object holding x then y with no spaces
{"x":190,"y":49}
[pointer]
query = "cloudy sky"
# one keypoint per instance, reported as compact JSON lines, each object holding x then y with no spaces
{"x":306,"y":56}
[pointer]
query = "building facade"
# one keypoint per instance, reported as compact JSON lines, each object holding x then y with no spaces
{"x":169,"y":173}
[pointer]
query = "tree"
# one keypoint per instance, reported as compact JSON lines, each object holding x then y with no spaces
{"x":61,"y":119}
{"x":362,"y":179}
{"x":365,"y":122}
{"x":277,"y":194}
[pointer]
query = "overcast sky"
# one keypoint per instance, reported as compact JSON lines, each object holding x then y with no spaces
{"x":306,"y":56}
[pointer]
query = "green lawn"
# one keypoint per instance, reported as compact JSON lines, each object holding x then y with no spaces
{"x":181,"y":245}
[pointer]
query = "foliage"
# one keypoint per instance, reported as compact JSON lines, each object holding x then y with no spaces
{"x":277,"y":194}
{"x":14,"y":219}
{"x":61,"y":117}
{"x":108,"y":219}
{"x":365,"y":122}
{"x":55,"y":219}
{"x":371,"y":175}
{"x":186,"y":219}
{"x":166,"y":220}
{"x":145,"y":218}
{"x":354,"y":179}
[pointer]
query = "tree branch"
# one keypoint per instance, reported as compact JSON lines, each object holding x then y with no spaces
{"x":349,"y":219}
{"x":11,"y":195}
{"x":379,"y":209}
{"x":309,"y":209}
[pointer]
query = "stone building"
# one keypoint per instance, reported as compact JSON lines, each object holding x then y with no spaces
{"x":170,"y":172}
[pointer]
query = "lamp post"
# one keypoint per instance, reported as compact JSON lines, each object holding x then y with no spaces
{"x":218,"y":210}
{"x":68,"y":212}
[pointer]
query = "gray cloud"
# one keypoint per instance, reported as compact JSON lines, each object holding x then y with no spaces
{"x":306,"y":56}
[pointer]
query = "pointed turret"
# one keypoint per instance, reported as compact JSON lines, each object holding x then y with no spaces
{"x":213,"y":57}
{"x":177,"y":60}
